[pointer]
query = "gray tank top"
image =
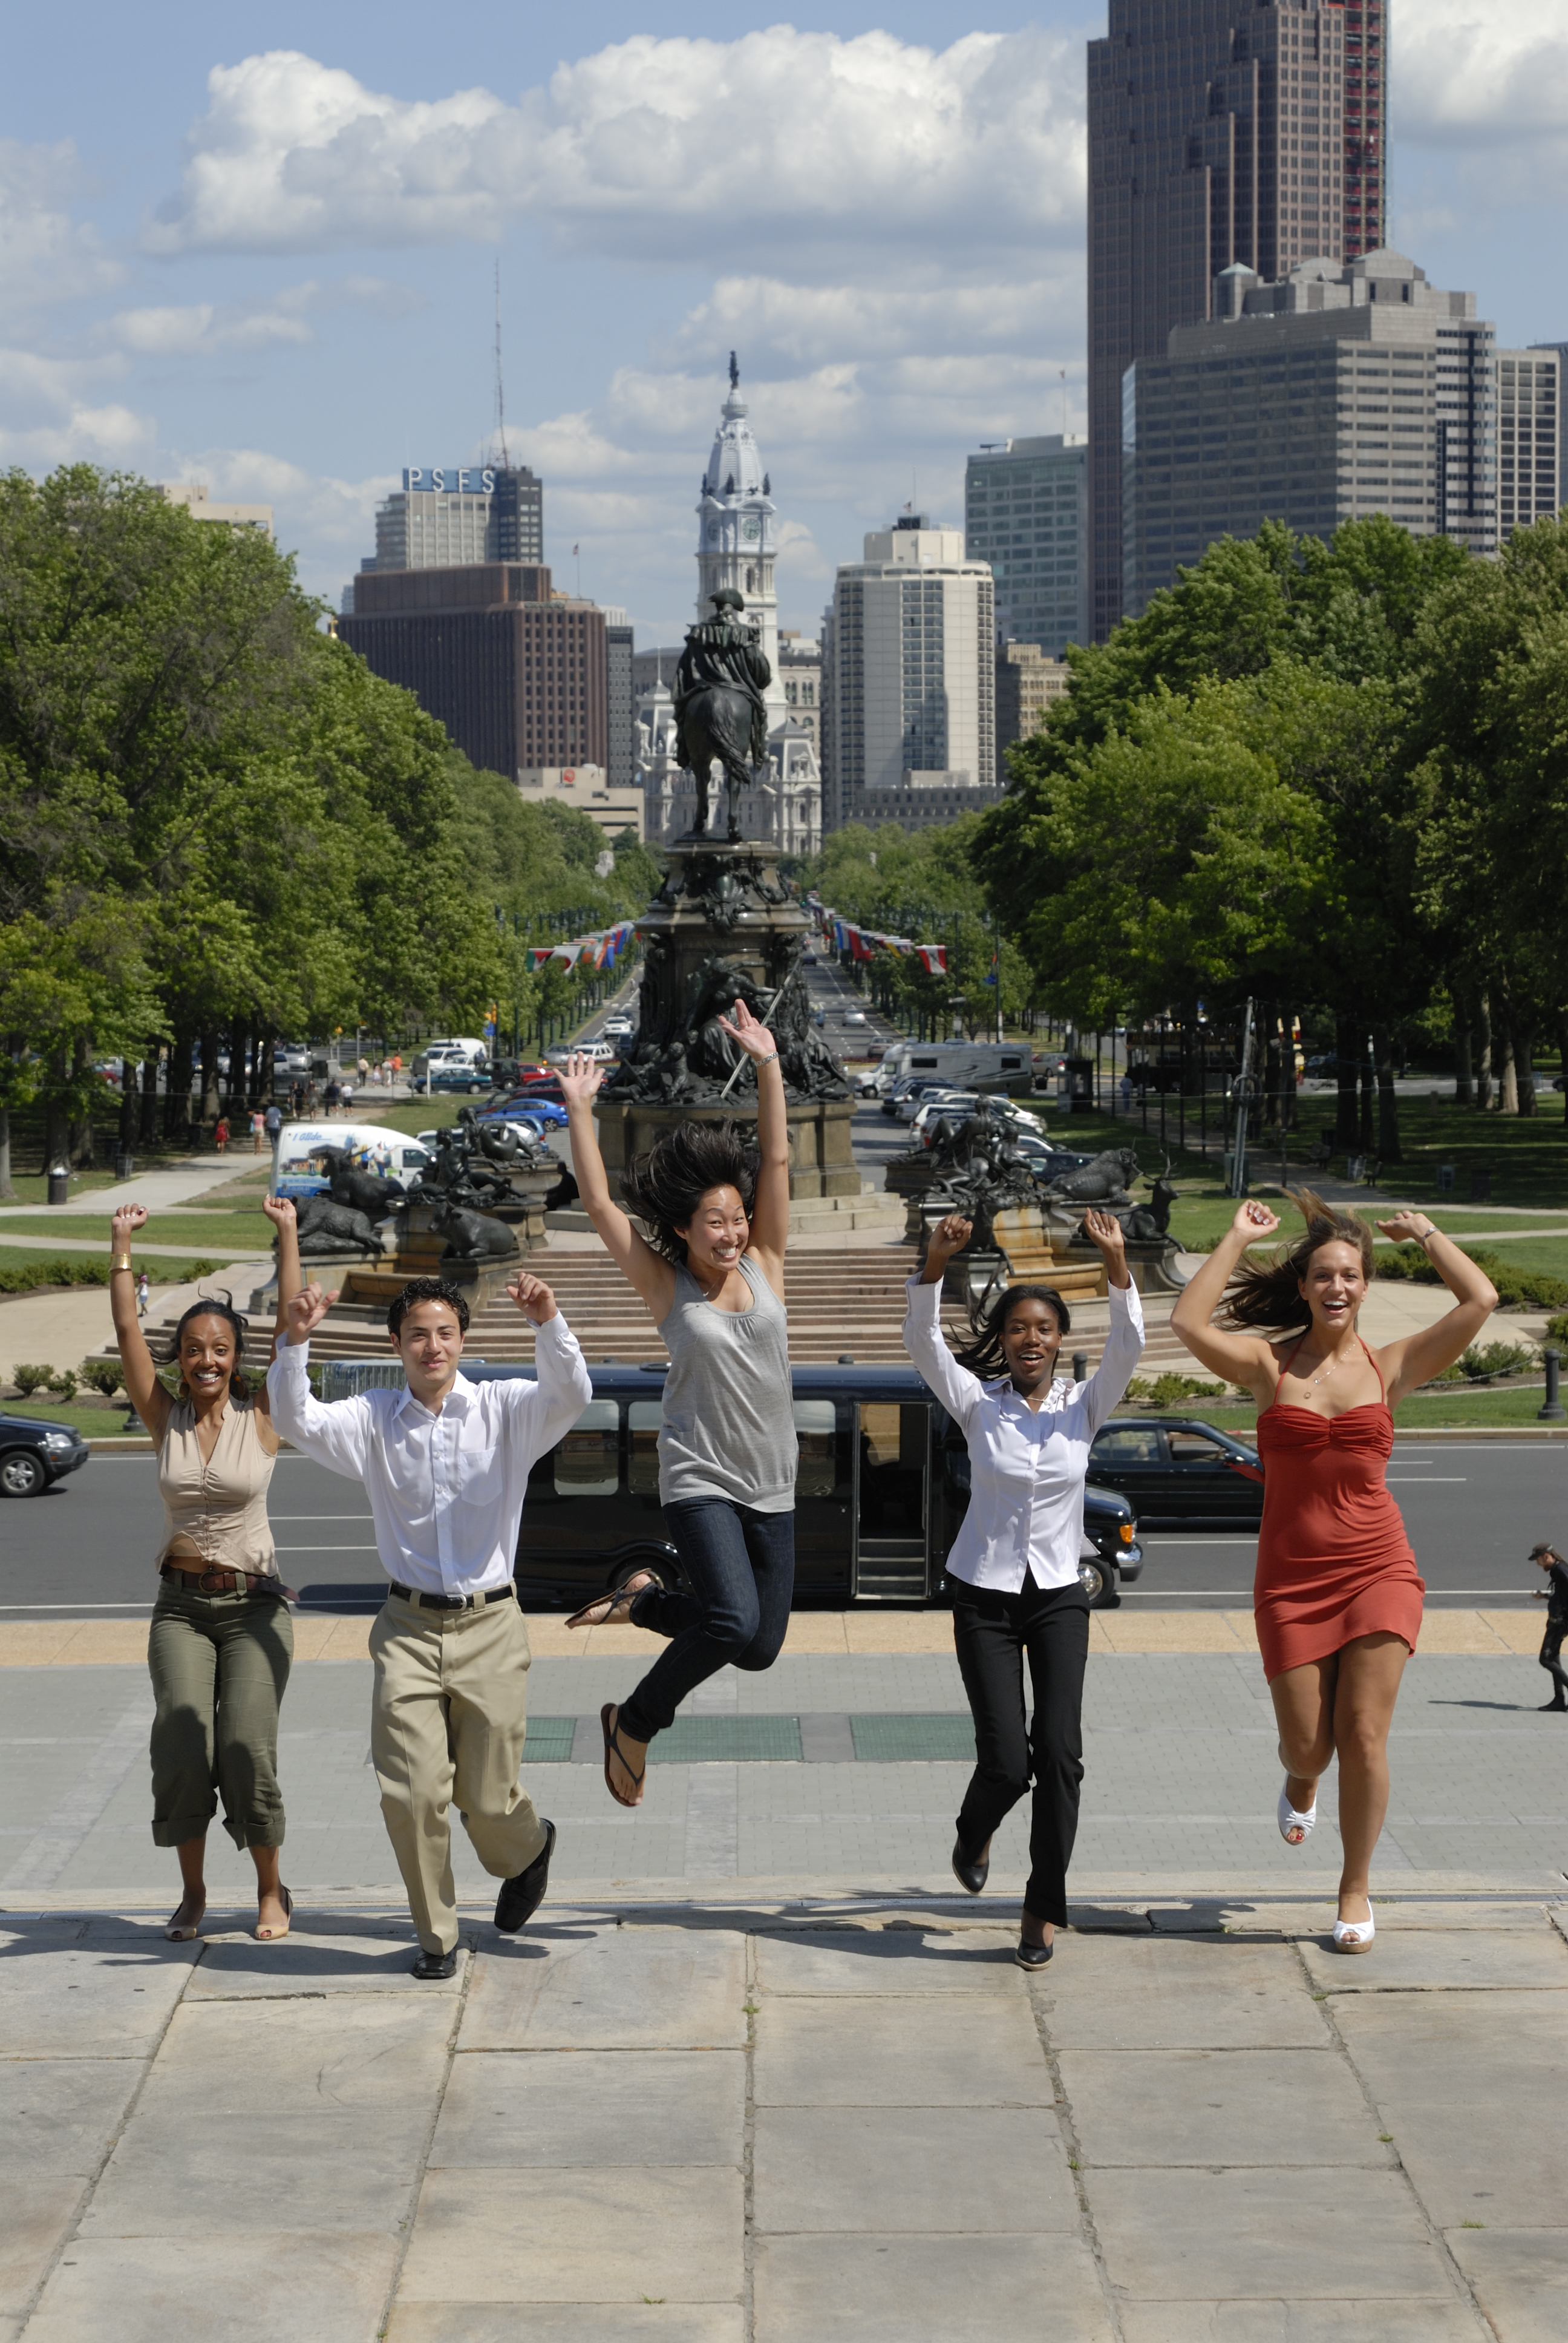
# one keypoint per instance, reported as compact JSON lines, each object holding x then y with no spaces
{"x":728,"y":1428}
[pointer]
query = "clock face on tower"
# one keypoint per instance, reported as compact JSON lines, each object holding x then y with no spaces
{"x":751,"y":531}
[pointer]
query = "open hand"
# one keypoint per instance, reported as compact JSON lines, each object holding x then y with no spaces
{"x":948,"y":1236}
{"x":532,"y":1297}
{"x":1253,"y":1221}
{"x":757,"y":1041}
{"x":280,"y":1210}
{"x":1105,"y":1231}
{"x":580,"y":1079}
{"x":126,"y":1220}
{"x":1407,"y":1227}
{"x":305,"y":1312}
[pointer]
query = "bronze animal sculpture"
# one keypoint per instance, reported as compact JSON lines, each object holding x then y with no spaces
{"x":325,"y":1227}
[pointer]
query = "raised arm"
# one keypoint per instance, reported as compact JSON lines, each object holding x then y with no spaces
{"x":337,"y":1437}
{"x":770,"y":1209}
{"x":1107,"y":1386}
{"x":647,"y":1270}
{"x":955,"y":1386}
{"x":1245,"y":1359}
{"x":562,"y":1386}
{"x":1419,"y":1357}
{"x":143,"y":1389}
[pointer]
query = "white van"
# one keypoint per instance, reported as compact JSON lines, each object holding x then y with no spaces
{"x":961,"y":1066}
{"x":299,"y":1170}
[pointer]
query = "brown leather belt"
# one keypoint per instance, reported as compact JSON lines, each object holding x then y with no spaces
{"x":222,"y":1582}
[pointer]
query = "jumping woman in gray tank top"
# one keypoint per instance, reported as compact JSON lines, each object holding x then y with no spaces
{"x":718,"y":1211}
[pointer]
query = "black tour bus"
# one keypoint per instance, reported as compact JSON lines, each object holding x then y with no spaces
{"x":883,"y":1485}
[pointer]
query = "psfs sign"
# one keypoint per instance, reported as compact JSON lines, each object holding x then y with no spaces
{"x":451,"y":479}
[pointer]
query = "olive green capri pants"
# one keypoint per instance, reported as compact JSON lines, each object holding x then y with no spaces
{"x":219,"y":1664}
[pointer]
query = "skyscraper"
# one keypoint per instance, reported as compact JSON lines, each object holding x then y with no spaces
{"x":1219,"y":132}
{"x":1026,"y":512}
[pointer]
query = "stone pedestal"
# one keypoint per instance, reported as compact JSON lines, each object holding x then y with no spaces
{"x":724,"y":927}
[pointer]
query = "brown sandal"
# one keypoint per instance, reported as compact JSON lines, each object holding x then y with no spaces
{"x":625,"y":1593}
{"x":612,"y":1748}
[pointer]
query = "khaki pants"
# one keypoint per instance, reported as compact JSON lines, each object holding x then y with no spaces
{"x":448,"y":1721}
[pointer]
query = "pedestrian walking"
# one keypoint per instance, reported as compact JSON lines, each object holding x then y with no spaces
{"x":330,"y":1097}
{"x":1554,"y":1594}
{"x":273,"y":1123}
{"x":346,"y":1096}
{"x":445,"y":1464}
{"x":257,"y":1131}
{"x":142,"y":1293}
{"x":711,"y":1272}
{"x":1337,"y":1597}
{"x":1013,"y":1565}
{"x":364,"y":1072}
{"x":220,"y":1135}
{"x":221,"y":1638}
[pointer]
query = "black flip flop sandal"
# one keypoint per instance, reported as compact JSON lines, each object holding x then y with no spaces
{"x":612,"y":1748}
{"x":613,"y":1600}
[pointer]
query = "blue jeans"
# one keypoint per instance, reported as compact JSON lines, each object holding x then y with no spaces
{"x":740,"y":1566}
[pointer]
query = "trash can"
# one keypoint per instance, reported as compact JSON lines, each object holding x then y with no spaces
{"x":1445,"y":1179}
{"x":124,"y":1165}
{"x":59,"y":1185}
{"x":1480,"y":1185}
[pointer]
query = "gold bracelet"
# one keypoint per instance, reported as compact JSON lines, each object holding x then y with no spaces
{"x":122,"y":1261}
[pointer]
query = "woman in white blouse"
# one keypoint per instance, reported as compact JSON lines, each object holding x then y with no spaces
{"x":1014,"y":1562}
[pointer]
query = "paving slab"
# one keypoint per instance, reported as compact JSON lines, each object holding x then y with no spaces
{"x":1474,"y":2088}
{"x":597,"y":1988}
{"x":1431,"y":1960}
{"x":612,"y":2234}
{"x":250,"y":2288}
{"x":1369,"y":2322}
{"x":65,"y":1994}
{"x":876,"y":1960}
{"x":283,"y":2093}
{"x":592,"y":2106}
{"x":39,"y":2210}
{"x":1303,"y":2234}
{"x":238,"y":1969}
{"x":568,"y":2322}
{"x":1314,"y":1917}
{"x":1156,"y":1993}
{"x":893,"y":2289}
{"x":970,"y":2051}
{"x":1520,"y":2278}
{"x":1218,"y":2107}
{"x":980,"y":2171}
{"x":58,"y":2115}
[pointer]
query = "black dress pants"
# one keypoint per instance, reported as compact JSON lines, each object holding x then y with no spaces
{"x":1551,"y":1659}
{"x":991,"y":1633}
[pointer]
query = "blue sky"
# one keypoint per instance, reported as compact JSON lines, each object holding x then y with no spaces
{"x":257,"y":246}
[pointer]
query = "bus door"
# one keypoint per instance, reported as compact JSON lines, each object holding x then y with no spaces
{"x":892,"y":1501}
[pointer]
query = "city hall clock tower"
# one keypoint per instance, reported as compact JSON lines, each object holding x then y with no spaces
{"x":736,"y":533}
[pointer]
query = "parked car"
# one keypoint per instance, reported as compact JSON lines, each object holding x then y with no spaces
{"x":617,"y":1027}
{"x":457,"y":1074}
{"x":526,"y":1106}
{"x":883,"y":1484}
{"x":1178,"y":1468}
{"x":34,"y":1454}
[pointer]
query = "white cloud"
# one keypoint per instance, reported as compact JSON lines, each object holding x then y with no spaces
{"x":202,"y":327}
{"x":46,"y":255}
{"x":1467,"y":69}
{"x":807,"y":324}
{"x":836,"y":144}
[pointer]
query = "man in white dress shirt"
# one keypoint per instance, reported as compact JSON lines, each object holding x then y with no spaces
{"x":446,"y":1465}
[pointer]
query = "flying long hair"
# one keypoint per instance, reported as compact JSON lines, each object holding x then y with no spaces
{"x":664,"y":1187}
{"x":1269,"y":1294}
{"x":985,"y":1356}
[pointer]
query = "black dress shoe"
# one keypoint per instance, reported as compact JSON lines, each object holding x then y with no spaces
{"x":431,"y":1967}
{"x":1554,"y":1708}
{"x":1033,"y":1956}
{"x":972,"y":1875}
{"x":520,"y":1897}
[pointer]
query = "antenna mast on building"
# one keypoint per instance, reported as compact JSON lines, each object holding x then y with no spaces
{"x":500,"y":380}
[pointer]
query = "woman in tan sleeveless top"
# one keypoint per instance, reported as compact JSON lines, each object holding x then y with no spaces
{"x":221,"y":1638}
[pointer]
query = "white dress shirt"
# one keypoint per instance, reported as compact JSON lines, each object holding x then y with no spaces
{"x":1026,"y":1465}
{"x":445,"y":1491}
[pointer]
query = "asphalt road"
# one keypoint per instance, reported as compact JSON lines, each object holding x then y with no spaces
{"x":85,"y":1548}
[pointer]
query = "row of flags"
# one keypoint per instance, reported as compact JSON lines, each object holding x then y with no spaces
{"x":599,"y":950}
{"x":863,"y":944}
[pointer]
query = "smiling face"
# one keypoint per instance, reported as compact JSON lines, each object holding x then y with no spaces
{"x":429,"y":1342}
{"x":208,"y":1359}
{"x":1334,"y":1287}
{"x":1030,"y":1339}
{"x":715,"y":1236}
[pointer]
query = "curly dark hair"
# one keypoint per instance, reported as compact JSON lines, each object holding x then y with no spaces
{"x":1269,"y":1295}
{"x":985,"y":1356}
{"x":220,"y":1306}
{"x":425,"y":1289}
{"x":664,"y":1187}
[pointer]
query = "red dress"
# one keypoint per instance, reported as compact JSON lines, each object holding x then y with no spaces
{"x":1333,"y":1559}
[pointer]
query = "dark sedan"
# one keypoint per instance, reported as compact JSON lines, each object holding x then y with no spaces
{"x":1178,"y":1468}
{"x":34,"y":1454}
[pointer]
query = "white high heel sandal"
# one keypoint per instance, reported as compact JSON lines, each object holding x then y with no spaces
{"x":1295,"y":1828}
{"x":1355,"y":1936}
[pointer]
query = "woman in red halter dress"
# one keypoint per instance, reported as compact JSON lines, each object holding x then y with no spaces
{"x":1337,"y":1597}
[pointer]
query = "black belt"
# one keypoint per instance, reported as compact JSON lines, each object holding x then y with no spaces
{"x":454,"y":1602}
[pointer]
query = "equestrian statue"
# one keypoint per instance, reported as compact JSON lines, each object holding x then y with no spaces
{"x":719,"y":710}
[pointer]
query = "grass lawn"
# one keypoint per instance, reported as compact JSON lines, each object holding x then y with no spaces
{"x":33,"y":1187}
{"x":174,"y":1270}
{"x":1458,"y":1410}
{"x":202,"y":1233}
{"x":92,"y":1423}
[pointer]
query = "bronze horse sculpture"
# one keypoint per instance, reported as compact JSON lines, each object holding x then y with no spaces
{"x":721,"y":714}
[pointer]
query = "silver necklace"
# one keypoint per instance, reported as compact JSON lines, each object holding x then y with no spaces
{"x":1331,"y":1368}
